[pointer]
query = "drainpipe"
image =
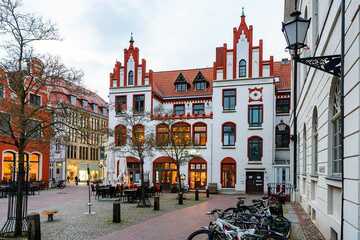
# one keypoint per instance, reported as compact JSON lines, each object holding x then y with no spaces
{"x":342,"y":112}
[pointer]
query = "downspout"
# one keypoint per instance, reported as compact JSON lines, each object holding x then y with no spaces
{"x":342,"y":78}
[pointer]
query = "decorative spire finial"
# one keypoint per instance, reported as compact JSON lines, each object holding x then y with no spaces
{"x":131,"y":39}
{"x":243,"y":12}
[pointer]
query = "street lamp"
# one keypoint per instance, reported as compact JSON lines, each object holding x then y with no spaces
{"x":295,"y":31}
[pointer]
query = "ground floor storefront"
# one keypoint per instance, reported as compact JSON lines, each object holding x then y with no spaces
{"x":162,"y":172}
{"x":79,"y":169}
{"x":36,"y":163}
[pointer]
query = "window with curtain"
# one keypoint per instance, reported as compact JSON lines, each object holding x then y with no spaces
{"x":228,"y":134}
{"x":181,"y":133}
{"x":138,"y":134}
{"x":255,"y":145}
{"x":255,"y":115}
{"x":162,"y":134}
{"x":200,"y":134}
{"x":242,"y":68}
{"x":120,"y":104}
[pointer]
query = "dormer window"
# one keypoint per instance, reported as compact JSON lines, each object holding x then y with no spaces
{"x":131,"y":78}
{"x":200,"y":82}
{"x":72,"y":99}
{"x":84,"y":103}
{"x":94,"y":107}
{"x":242,"y":68}
{"x":181,"y":85}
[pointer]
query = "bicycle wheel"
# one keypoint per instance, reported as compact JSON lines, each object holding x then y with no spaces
{"x":201,"y":234}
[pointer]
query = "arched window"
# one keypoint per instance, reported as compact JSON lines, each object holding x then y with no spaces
{"x":138,"y":136}
{"x":131,"y":78}
{"x":304,"y":151}
{"x":181,"y":133}
{"x":162,"y":134}
{"x":282,"y":133}
{"x":229,"y":134}
{"x":242,"y":68}
{"x":34,"y":169}
{"x":8,"y":166}
{"x":120,"y":135}
{"x":314,"y":144}
{"x":255,"y":148}
{"x":335,"y":128}
{"x":199,"y":134}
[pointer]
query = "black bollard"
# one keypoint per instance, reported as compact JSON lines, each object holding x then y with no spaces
{"x":181,"y":200}
{"x":197,"y":195}
{"x":156,"y":203}
{"x":207,"y":193}
{"x":116,"y":212}
{"x":34,"y":230}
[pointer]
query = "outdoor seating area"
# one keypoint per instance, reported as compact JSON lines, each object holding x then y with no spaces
{"x":31,"y":188}
{"x":120,"y":192}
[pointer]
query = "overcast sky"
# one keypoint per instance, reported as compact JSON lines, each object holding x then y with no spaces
{"x":171,"y":34}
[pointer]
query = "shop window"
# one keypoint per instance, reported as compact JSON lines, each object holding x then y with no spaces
{"x":199,"y":134}
{"x":229,"y":99}
{"x":229,"y":134}
{"x":8,"y":166}
{"x":255,"y":148}
{"x":197,"y":174}
{"x":255,"y":116}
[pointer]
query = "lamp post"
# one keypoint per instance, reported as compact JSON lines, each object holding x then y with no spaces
{"x":295,"y":32}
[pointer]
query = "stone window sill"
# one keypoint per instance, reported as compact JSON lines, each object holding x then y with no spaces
{"x":228,"y":147}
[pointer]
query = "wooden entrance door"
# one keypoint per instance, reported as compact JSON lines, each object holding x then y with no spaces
{"x":228,"y":175}
{"x":255,"y":182}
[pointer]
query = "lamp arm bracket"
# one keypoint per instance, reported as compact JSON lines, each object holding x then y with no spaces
{"x":330,"y":64}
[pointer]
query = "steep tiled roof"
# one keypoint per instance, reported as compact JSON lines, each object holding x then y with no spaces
{"x":283,"y":71}
{"x":163,"y":82}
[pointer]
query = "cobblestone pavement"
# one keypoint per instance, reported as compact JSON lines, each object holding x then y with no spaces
{"x":72,"y":224}
{"x":175,"y":225}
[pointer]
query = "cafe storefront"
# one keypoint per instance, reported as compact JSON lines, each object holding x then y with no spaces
{"x":164,"y":173}
{"x":197,"y":173}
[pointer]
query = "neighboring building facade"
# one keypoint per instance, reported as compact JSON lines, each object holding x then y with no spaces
{"x":82,"y":146}
{"x":38,"y":148}
{"x":230,"y":111}
{"x":319,"y":173}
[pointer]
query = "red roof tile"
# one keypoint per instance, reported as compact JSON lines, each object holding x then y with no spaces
{"x":283,"y":71}
{"x":163,"y":82}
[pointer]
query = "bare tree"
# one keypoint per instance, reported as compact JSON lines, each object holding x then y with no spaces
{"x":175,"y":142}
{"x":136,"y":138}
{"x":26,"y":74}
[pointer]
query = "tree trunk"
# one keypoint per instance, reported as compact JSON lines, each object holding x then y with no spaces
{"x":142,"y":198}
{"x":179,"y":177}
{"x":20,"y":193}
